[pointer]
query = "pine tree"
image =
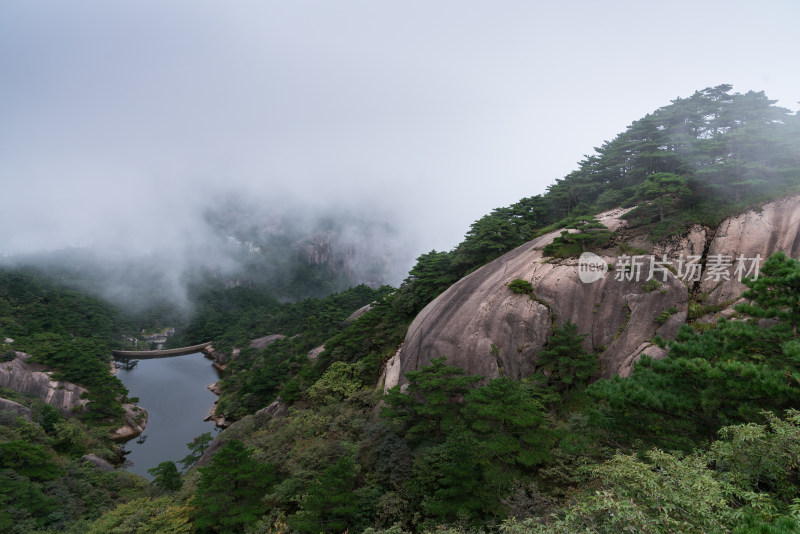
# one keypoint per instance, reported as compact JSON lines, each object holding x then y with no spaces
{"x":166,"y":476}
{"x":196,"y":449}
{"x":447,"y":481}
{"x":564,"y":362}
{"x":432,"y":405}
{"x":664,"y":189}
{"x":510,"y":424}
{"x":725,"y":375}
{"x":331,"y":503}
{"x":230,"y":491}
{"x":775,"y":294}
{"x":591,"y":232}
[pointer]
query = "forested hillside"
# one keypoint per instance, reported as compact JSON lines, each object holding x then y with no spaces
{"x":44,"y":483}
{"x":66,"y":330}
{"x":703,"y":440}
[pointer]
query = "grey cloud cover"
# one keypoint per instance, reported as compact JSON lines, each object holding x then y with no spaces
{"x":122,"y":120}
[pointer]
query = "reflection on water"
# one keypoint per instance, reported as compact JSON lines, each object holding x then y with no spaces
{"x":173,"y":391}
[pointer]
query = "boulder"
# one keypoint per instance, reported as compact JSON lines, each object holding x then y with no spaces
{"x":219,"y":420}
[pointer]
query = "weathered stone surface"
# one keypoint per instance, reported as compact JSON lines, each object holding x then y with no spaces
{"x":262,"y":342}
{"x":219,"y":420}
{"x":390,"y":376}
{"x":646,"y":348}
{"x":13,"y":410}
{"x":484,"y":328}
{"x":693,"y":243}
{"x":359,"y":312}
{"x":315,"y":352}
{"x":775,"y":227}
{"x":219,"y":358}
{"x":135,"y":423}
{"x":97,"y":462}
{"x":613,"y":220}
{"x":34,"y":379}
{"x":276,"y":409}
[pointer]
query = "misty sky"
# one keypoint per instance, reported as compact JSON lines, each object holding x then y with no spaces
{"x":120,"y":120}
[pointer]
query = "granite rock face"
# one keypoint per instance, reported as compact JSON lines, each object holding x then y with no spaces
{"x":262,"y":342}
{"x":775,"y":227}
{"x":482,"y":326}
{"x":97,"y":462}
{"x":135,"y":423}
{"x":34,"y":379}
{"x":11,"y":410}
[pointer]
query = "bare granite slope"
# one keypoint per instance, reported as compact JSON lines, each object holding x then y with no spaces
{"x":482,"y":326}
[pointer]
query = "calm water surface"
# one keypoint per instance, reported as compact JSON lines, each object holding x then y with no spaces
{"x":174,"y":393}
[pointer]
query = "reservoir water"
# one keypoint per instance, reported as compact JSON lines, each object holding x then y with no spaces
{"x":174,"y":392}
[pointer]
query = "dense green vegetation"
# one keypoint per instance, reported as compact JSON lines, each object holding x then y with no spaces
{"x":704,"y":440}
{"x":67,"y":330}
{"x":255,"y":377}
{"x":44,"y":484}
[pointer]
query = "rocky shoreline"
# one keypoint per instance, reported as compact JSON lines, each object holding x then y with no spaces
{"x":219,"y":420}
{"x":135,"y":423}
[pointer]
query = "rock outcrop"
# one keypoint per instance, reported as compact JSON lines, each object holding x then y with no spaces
{"x":314,"y":353}
{"x":275,"y":410}
{"x":135,"y":423}
{"x":262,"y":342}
{"x":219,"y":420}
{"x":97,"y":462}
{"x":482,"y":326}
{"x":359,"y":312}
{"x":13,"y":410}
{"x":775,"y":227}
{"x":34,"y":379}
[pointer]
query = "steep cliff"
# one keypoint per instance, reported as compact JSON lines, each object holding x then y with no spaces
{"x":482,"y":326}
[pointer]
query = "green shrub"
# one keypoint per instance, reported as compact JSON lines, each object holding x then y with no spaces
{"x":625,"y":248}
{"x":520,"y":286}
{"x":664,"y":316}
{"x":651,"y":285}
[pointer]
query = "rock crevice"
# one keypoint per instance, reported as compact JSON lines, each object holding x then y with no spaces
{"x":483,"y":327}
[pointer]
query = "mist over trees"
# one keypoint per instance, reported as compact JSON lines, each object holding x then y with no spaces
{"x":284,"y":249}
